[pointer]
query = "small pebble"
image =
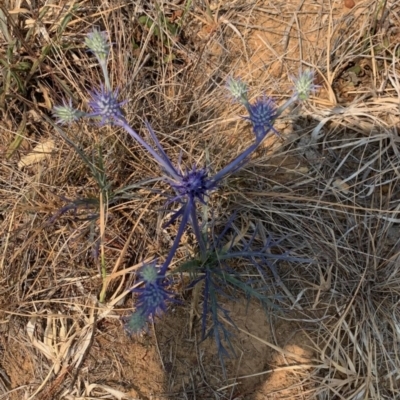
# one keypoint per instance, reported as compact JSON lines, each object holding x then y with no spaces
{"x":349,"y":3}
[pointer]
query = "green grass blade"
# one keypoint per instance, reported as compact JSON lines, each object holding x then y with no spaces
{"x":14,"y":146}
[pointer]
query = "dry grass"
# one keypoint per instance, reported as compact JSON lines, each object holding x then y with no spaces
{"x":331,"y":187}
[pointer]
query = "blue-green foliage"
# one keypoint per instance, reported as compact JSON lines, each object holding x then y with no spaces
{"x":215,"y":271}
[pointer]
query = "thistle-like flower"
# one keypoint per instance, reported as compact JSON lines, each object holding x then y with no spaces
{"x":66,"y":114}
{"x":105,"y":104}
{"x":135,"y":323}
{"x":193,"y":184}
{"x":262,"y":114}
{"x":304,"y":86}
{"x":238,"y":90}
{"x":152,"y":297}
{"x":97,"y":42}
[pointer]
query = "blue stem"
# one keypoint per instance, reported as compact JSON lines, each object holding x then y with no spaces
{"x":197,"y":231}
{"x":233,"y":165}
{"x":103,"y":65}
{"x":160,"y":160}
{"x":185,"y":218}
{"x":284,"y":106}
{"x":159,"y":147}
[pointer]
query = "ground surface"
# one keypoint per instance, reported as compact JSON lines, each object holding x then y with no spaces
{"x":330,"y":186}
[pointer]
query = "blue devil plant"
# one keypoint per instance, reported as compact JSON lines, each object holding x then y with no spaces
{"x":213,"y":272}
{"x":190,"y":187}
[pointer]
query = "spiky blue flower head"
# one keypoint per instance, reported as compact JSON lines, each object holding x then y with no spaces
{"x":153,"y":296}
{"x":238,"y":90}
{"x":262,"y":114}
{"x":193,"y":184}
{"x":97,"y":42}
{"x":135,"y":323}
{"x":105,"y":105}
{"x":304,"y":85}
{"x":149,"y":273}
{"x":66,"y":114}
